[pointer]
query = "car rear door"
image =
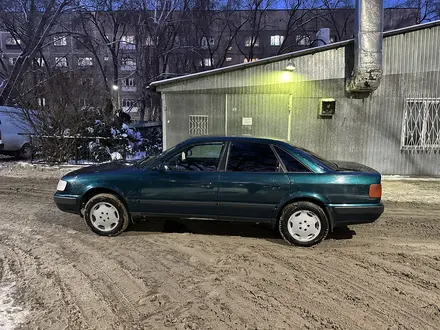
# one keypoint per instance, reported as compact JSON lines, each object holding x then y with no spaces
{"x":253,"y":183}
{"x":186,"y":185}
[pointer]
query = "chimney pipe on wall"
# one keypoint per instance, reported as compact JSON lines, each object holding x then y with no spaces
{"x":368,"y":39}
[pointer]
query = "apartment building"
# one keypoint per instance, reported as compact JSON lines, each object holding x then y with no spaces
{"x":123,"y":62}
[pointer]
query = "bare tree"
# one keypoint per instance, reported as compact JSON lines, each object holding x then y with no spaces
{"x":107,"y":33}
{"x":339,"y":14}
{"x":29,"y":23}
{"x":426,"y":10}
{"x":300,"y":13}
{"x":159,"y":27}
{"x":214,"y":31}
{"x":256,"y":22}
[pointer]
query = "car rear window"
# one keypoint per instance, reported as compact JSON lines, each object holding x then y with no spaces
{"x":326,"y":162}
{"x":291,"y":164}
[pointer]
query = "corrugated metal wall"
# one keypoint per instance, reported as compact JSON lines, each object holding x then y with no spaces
{"x":365,"y":130}
{"x":179,"y":108}
{"x":269,"y":113}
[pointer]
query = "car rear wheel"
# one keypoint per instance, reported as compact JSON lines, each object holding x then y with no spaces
{"x":106,"y":215}
{"x":303,"y":224}
{"x":25,"y":152}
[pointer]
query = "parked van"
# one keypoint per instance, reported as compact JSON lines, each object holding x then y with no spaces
{"x":13,"y":130}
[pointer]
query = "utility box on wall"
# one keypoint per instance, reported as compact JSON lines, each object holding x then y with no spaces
{"x":327,"y":108}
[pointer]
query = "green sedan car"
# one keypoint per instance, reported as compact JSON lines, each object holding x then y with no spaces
{"x":227,"y":178}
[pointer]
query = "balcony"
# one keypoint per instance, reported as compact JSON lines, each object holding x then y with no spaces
{"x":13,"y":47}
{"x":128,"y":88}
{"x":127,"y":46}
{"x":130,"y":109}
{"x":128,"y":67}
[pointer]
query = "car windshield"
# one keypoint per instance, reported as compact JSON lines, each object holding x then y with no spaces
{"x":326,"y":162}
{"x":145,"y":161}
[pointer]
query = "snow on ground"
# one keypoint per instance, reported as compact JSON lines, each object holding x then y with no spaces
{"x":24,"y":169}
{"x":211,"y":275}
{"x":11,"y":315}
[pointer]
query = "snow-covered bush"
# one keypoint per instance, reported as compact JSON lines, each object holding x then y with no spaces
{"x":112,"y":142}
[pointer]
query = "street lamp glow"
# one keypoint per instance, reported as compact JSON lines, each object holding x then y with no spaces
{"x":115,"y":87}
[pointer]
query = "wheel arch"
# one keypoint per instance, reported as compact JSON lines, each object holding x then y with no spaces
{"x":25,"y":144}
{"x":102,"y":190}
{"x":321,"y":202}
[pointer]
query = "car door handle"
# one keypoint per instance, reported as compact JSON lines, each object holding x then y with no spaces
{"x":273,"y":187}
{"x":207,"y":185}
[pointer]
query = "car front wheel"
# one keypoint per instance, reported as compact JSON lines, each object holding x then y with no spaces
{"x":303,"y":224}
{"x":106,"y":215}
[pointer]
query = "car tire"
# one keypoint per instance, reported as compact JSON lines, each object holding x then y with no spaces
{"x":25,"y":152}
{"x":303,"y":224}
{"x":106,"y":215}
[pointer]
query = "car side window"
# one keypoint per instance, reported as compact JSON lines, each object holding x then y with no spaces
{"x":252,"y":157}
{"x":202,"y":157}
{"x":291,"y":164}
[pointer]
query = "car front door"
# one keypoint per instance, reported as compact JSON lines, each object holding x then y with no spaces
{"x":185,"y":184}
{"x":253,"y":183}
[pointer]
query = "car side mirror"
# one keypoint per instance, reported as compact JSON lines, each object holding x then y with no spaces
{"x":163,"y":168}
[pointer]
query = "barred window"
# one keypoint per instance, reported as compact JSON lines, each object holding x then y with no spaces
{"x":198,"y":125}
{"x":421,"y":124}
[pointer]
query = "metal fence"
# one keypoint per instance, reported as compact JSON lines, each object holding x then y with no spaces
{"x":77,"y":149}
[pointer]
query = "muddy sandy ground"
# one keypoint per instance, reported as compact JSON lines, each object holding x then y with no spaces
{"x":56,"y":274}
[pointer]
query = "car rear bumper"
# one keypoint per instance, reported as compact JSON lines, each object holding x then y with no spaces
{"x":355,"y":214}
{"x":67,"y":203}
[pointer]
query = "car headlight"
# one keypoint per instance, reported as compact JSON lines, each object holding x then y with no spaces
{"x":61,"y":185}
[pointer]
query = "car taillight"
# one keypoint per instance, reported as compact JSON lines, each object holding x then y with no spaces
{"x":375,"y":191}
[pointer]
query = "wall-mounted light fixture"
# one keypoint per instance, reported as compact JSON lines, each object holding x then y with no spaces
{"x":290,"y":66}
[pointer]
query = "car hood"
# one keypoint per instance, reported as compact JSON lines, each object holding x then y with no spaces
{"x":102,"y":168}
{"x":353,"y":167}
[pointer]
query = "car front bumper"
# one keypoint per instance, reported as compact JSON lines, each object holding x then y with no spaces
{"x":346,"y":214}
{"x":67,"y":203}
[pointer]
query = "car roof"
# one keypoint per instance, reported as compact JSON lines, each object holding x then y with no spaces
{"x":279,"y":142}
{"x":219,"y":138}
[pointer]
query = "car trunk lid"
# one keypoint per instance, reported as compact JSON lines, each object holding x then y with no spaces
{"x":344,"y":166}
